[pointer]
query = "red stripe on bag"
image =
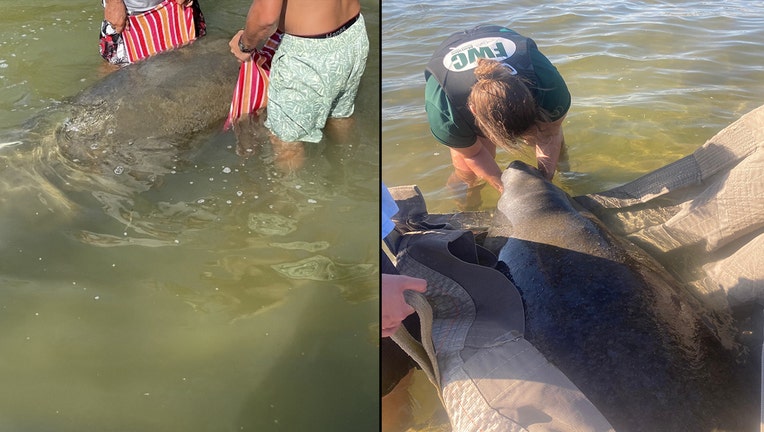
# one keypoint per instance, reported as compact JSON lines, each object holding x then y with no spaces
{"x":167,"y":26}
{"x":251,"y":91}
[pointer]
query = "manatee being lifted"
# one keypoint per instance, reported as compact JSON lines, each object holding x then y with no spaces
{"x":136,"y":119}
{"x":624,"y":330}
{"x":702,"y":216}
{"x":631,"y":302}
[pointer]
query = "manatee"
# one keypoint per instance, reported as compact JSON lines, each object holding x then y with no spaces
{"x":613,"y":320}
{"x":132,"y":125}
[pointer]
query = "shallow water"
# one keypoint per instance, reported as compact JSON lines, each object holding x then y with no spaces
{"x":650,"y":82}
{"x":224,"y":296}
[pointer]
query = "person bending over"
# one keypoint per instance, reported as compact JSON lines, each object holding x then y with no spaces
{"x":490,"y":86}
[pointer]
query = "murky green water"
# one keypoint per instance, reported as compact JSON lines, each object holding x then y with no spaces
{"x":650,"y":82}
{"x":226,"y":296}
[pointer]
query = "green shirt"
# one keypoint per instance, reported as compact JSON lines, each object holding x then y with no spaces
{"x":451,"y":129}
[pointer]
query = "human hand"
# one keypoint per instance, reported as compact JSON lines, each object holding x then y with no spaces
{"x":184,"y":2}
{"x":115,"y":13}
{"x":548,"y":140}
{"x":394,"y":306}
{"x":234,"y":45}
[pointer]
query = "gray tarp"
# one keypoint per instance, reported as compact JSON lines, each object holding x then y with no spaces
{"x":701,"y":216}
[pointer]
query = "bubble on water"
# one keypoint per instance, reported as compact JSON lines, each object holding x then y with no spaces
{"x":93,"y":146}
{"x":312,"y":201}
{"x":226,"y":170}
{"x":119,"y":170}
{"x":200,"y":201}
{"x":212,"y":178}
{"x":239,"y":193}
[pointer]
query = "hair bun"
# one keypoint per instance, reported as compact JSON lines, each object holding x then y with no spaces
{"x":491,"y":70}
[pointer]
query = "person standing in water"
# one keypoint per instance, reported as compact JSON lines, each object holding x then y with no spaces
{"x":121,"y":44}
{"x":315,"y":72}
{"x":490,"y":86}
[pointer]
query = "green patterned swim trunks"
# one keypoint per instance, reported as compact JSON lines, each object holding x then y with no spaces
{"x":313,"y":79}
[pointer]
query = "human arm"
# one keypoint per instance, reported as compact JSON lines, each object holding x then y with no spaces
{"x":262,"y":21}
{"x":478,"y":159}
{"x":115,"y":13}
{"x":394,"y":306}
{"x":548,"y":140}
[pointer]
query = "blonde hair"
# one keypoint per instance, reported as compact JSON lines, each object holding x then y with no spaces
{"x":502,"y":104}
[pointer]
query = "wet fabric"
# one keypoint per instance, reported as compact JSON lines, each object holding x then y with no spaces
{"x":471,"y":346}
{"x":164,"y":27}
{"x":707,"y":207}
{"x":251,"y":91}
{"x":313,"y":80}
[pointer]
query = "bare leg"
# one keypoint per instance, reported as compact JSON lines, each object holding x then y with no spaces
{"x":339,"y":130}
{"x":250,"y":134}
{"x":289,"y":156}
{"x":464,"y":184}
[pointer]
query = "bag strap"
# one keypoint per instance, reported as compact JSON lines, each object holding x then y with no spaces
{"x":422,"y":352}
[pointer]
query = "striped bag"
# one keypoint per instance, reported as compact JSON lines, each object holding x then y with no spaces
{"x":164,"y":27}
{"x":251,"y":93}
{"x":167,"y":26}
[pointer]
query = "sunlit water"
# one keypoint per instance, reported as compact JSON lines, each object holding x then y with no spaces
{"x":226,"y":297}
{"x":650,"y":82}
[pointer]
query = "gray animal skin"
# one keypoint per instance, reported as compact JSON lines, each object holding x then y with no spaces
{"x":136,"y":120}
{"x":613,"y":320}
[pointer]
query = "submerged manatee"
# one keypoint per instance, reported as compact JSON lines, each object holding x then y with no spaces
{"x":613,"y":320}
{"x":136,"y":120}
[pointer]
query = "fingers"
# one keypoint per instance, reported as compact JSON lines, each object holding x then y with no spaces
{"x":415,"y":284}
{"x":394,"y":306}
{"x":115,"y":14}
{"x":234,"y":45}
{"x":389,"y":331}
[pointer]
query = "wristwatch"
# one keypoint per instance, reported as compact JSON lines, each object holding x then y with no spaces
{"x":244,"y":49}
